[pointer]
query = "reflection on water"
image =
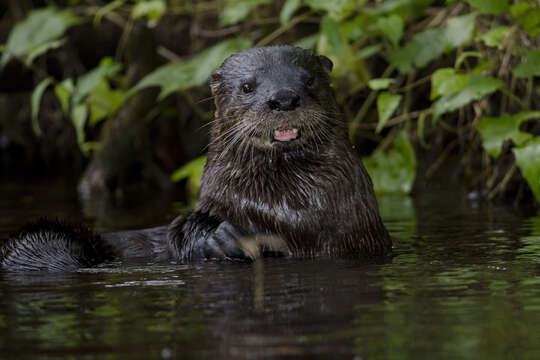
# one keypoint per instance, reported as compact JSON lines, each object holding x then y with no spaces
{"x":463,"y":283}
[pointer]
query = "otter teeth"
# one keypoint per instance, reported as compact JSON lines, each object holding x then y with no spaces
{"x":285,"y":134}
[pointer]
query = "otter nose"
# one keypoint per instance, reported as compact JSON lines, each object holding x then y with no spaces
{"x":284,"y":100}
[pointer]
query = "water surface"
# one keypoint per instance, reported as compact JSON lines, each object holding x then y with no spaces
{"x":463,"y":283}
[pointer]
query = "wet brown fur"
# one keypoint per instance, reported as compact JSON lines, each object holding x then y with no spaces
{"x":311,"y":195}
{"x":314,"y":192}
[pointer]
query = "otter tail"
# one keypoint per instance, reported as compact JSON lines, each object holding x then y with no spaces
{"x":53,"y":246}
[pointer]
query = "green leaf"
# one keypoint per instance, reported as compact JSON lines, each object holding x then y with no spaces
{"x":79,"y":115}
{"x":63,"y":91}
{"x":428,"y":45}
{"x":37,"y":34}
{"x":477,"y":87}
{"x":482,"y":66}
{"x":36,"y":100}
{"x":465,"y":55}
{"x":423,"y":48}
{"x":336,"y":9}
{"x":331,"y":32}
{"x":193,"y":168}
{"x":527,"y":17}
{"x":106,"y":9}
{"x":393,"y":171}
{"x":42,"y":49}
{"x":86,"y":83}
{"x":237,"y":10}
{"x":494,"y":131}
{"x":495,"y":37}
{"x":386,"y":106}
{"x":531,"y":66}
{"x":369,"y":51}
{"x":528,"y":161}
{"x":385,"y":7}
{"x":446,"y":81}
{"x":494,"y":7}
{"x":288,"y":9}
{"x":421,"y":125}
{"x":392,"y":26}
{"x":432,"y":43}
{"x":459,"y":31}
{"x":519,"y":9}
{"x":193,"y":172}
{"x":309,"y":42}
{"x":404,"y":57}
{"x":194,"y":72}
{"x":153,"y":9}
{"x":104,"y":102}
{"x":381,"y":83}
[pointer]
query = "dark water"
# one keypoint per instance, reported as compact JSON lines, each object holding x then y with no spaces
{"x":464,"y":283}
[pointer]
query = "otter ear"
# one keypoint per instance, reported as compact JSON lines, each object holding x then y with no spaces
{"x":214,"y":79}
{"x":326,"y":63}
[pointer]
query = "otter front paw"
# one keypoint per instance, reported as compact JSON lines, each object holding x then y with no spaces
{"x":225,"y":244}
{"x":197,"y":235}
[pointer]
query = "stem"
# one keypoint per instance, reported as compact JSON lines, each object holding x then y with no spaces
{"x":529,"y":93}
{"x":503,"y":183}
{"x":394,"y":121}
{"x":124,"y":39}
{"x":415,"y":84}
{"x":353,"y":127}
{"x":281,"y":30}
{"x":513,"y":97}
{"x":107,"y":9}
{"x":168,"y":54}
{"x":449,"y":148}
{"x":194,"y":105}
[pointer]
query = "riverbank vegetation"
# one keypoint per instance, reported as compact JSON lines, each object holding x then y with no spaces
{"x":121,"y":85}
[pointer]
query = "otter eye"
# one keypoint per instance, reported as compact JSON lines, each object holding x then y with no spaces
{"x":247,"y":88}
{"x":310,"y":81}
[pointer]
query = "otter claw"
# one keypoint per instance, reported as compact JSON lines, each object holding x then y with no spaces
{"x":231,"y":243}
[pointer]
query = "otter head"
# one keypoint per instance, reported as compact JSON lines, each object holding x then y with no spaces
{"x":274,"y":98}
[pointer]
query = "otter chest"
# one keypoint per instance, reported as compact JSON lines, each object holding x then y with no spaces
{"x":275,"y":202}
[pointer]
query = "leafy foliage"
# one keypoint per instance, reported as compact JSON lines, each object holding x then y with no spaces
{"x":288,"y":9}
{"x":36,"y":99}
{"x":194,"y":72}
{"x":477,"y":86}
{"x":237,"y":10}
{"x":495,"y":37}
{"x":152,"y":10}
{"x":494,"y":7}
{"x":430,"y":44}
{"x":409,"y":70}
{"x":37,"y":34}
{"x":528,"y":160}
{"x":531,"y":66}
{"x":393,"y":170}
{"x":495,"y":131}
{"x":192,"y":172}
{"x":386,"y":106}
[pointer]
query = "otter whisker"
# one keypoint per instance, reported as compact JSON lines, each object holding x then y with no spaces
{"x":200,"y":101}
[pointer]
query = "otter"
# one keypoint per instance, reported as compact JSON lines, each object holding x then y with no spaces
{"x":280,"y":170}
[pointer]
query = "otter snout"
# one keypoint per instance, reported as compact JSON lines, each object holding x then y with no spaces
{"x":284,"y":100}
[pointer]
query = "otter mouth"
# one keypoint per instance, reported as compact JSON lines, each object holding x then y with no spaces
{"x":286,"y":134}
